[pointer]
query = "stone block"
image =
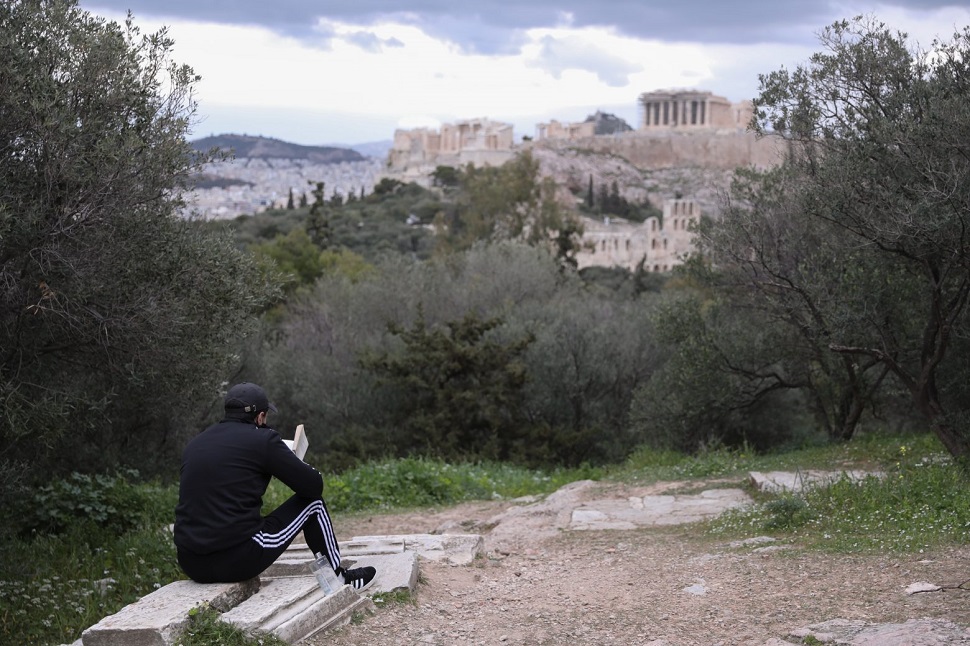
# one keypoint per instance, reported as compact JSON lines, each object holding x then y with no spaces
{"x":157,"y":618}
{"x":296,"y":559}
{"x":395,"y":572}
{"x":913,"y":632}
{"x":373,"y":545}
{"x":654,"y":510}
{"x":293,"y":608}
{"x":797,"y":481}
{"x":457,"y":549}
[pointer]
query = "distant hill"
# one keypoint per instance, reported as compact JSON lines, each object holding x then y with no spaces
{"x":377,"y":149}
{"x":265,"y":147}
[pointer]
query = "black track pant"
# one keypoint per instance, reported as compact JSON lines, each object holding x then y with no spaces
{"x":251,"y":557}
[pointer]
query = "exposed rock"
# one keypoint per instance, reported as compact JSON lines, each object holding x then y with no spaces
{"x":781,"y":481}
{"x":915,"y":632}
{"x":922,"y":586}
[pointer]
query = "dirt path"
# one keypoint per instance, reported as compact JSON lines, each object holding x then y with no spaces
{"x":668,"y":586}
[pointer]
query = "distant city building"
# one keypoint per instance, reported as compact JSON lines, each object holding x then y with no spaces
{"x":262,"y":184}
{"x":660,"y":243}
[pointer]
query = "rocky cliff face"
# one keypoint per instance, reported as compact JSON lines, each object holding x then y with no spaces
{"x":654,"y":168}
{"x":721,"y":149}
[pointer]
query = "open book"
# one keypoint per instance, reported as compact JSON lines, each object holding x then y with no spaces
{"x":299,"y":444}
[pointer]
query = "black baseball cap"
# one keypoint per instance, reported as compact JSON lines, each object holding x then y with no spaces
{"x":249,"y":398}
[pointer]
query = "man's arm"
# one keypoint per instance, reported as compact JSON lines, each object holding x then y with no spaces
{"x":296,"y":474}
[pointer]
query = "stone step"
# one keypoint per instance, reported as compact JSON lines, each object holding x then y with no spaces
{"x":293,"y":608}
{"x":287,"y":601}
{"x":456,"y":549}
{"x":157,"y":618}
{"x":395,"y":572}
{"x":295,"y":559}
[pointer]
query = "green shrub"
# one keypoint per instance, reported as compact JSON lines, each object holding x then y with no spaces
{"x":787,"y":512}
{"x":113,"y":502}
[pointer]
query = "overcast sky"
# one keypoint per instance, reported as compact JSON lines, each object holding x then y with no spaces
{"x":352,"y":71}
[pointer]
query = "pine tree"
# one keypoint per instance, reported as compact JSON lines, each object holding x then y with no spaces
{"x":318,"y":222}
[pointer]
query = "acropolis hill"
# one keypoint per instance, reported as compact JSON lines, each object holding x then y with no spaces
{"x":677,"y":128}
{"x":679,"y":158}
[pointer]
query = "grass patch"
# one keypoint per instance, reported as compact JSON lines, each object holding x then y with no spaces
{"x":421,"y":482}
{"x":53,"y":587}
{"x":399,"y":597}
{"x":921,"y":502}
{"x":651,"y":465}
{"x":64,"y":569}
{"x":206,"y":627}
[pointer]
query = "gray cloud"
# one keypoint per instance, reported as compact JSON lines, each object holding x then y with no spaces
{"x":558,"y":55}
{"x":494,"y":26}
{"x":371,"y":42}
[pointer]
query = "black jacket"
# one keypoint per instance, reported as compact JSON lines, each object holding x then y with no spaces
{"x":225,"y":472}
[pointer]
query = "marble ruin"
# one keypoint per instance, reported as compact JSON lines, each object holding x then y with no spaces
{"x":691,"y":109}
{"x":660,"y":243}
{"x":417,"y":152}
{"x":599,"y":123}
{"x":571,"y":131}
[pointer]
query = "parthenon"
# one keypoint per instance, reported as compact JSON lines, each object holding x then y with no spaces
{"x":681,"y":109}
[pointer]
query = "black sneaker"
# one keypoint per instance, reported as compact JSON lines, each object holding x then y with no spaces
{"x":359,"y":578}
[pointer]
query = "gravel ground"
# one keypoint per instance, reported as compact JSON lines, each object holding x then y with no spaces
{"x":665,"y":586}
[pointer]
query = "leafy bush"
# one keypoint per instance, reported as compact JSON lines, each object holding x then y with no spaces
{"x":459,"y":387}
{"x":112,"y":304}
{"x":787,"y":512}
{"x":113,"y":502}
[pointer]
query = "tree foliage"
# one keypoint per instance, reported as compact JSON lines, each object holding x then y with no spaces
{"x":508,"y":202}
{"x":460,"y":388}
{"x":879,"y":141}
{"x":109,"y":302}
{"x":785,"y":269}
{"x":591,"y":348}
{"x":723,"y":378}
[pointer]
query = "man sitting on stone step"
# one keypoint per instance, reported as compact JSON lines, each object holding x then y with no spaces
{"x":220,"y":535}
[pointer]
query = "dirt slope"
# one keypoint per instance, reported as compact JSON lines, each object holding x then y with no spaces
{"x":670,"y":586}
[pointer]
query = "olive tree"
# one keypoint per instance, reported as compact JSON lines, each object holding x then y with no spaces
{"x":793,"y":274}
{"x":509,"y":202}
{"x":725,"y":376}
{"x":110,"y":302}
{"x":879,"y":137}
